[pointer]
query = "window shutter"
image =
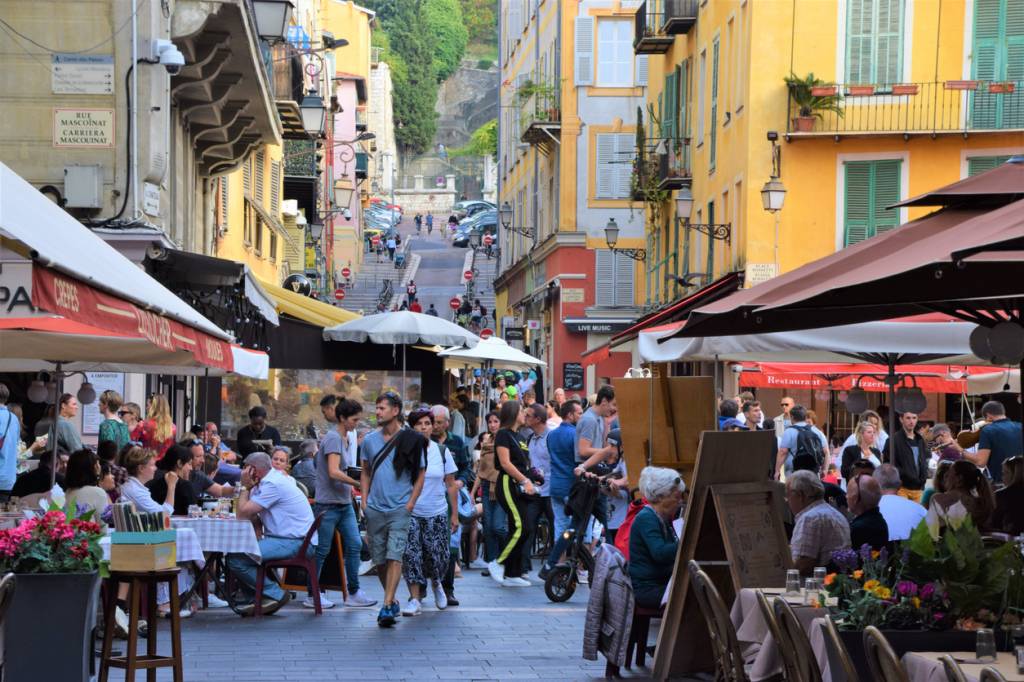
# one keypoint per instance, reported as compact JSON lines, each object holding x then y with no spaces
{"x":712,"y":152}
{"x":606,"y":167}
{"x":684,"y":100}
{"x":275,"y":189}
{"x":624,"y":280}
{"x":260,"y":163}
{"x":857,"y":218}
{"x":247,"y":177}
{"x":641,"y":69}
{"x":604,"y":271}
{"x":859,"y":24}
{"x":223,"y":201}
{"x":1013,"y":109}
{"x":625,"y":150}
{"x":583,"y":43}
{"x":889,"y":42}
{"x":668,"y":120}
{"x":982,"y":164}
{"x":886,"y":193}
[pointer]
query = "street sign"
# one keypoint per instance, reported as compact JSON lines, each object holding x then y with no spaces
{"x":375,"y":240}
{"x":486,"y":333}
{"x":533,"y":324}
{"x":467,"y":275}
{"x":454,"y":303}
{"x":488,"y":240}
{"x":339,"y":294}
{"x":346,"y":273}
{"x":515,"y":334}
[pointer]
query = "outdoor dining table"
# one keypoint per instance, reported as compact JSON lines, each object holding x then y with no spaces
{"x":222,"y":536}
{"x":752,"y":630}
{"x":925,"y":666}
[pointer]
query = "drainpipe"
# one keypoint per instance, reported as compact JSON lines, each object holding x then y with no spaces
{"x":134,"y":142}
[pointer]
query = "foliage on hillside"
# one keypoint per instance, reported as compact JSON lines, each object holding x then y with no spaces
{"x":443,"y":22}
{"x":479,"y":17}
{"x":483,"y":142}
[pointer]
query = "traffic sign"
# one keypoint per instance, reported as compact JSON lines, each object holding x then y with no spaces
{"x":375,"y":240}
{"x":467,"y":275}
{"x":486,"y":333}
{"x":488,"y":240}
{"x":455,"y":303}
{"x":339,"y":294}
{"x":346,"y":273}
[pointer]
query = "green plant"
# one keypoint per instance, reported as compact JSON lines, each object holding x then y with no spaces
{"x":809,"y":104}
{"x":52,"y":543}
{"x":484,"y":64}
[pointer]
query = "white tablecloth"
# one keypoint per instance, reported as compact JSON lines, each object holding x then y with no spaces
{"x":227,"y":536}
{"x":752,"y":631}
{"x":924,"y":666}
{"x":187,"y":547}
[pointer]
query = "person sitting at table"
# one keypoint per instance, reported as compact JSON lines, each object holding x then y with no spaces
{"x":966,"y":484}
{"x":938,"y":482}
{"x":141,"y":466}
{"x":279,"y":459}
{"x":282,"y":509}
{"x":1008,"y":516}
{"x":213,"y":443}
{"x":37,"y":481}
{"x":820,"y":529}
{"x":901,"y":515}
{"x":652,"y":540}
{"x":178,"y":460}
{"x":202,"y":483}
{"x":81,"y":483}
{"x":868,"y":526}
{"x":303,"y":468}
{"x":253,"y":437}
{"x":866,"y":448}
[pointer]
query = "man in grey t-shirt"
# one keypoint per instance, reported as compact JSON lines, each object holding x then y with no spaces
{"x":590,"y":447}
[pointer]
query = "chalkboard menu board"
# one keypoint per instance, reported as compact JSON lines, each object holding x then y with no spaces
{"x":752,"y":527}
{"x":572,"y":373}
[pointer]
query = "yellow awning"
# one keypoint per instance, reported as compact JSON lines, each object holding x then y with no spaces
{"x":307,"y":309}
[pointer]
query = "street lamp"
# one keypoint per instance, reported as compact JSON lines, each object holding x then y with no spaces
{"x":773,"y":194}
{"x":272,"y":18}
{"x":684,"y":209}
{"x":316,"y":230}
{"x":611,"y":236}
{"x":314,"y":116}
{"x":474,"y":239}
{"x":505,"y":213}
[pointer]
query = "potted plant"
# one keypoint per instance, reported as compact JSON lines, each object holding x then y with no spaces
{"x":932,"y":592}
{"x":57,"y":561}
{"x":810,"y":105}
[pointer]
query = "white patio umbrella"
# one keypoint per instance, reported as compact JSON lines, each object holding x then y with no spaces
{"x":403,"y":328}
{"x":494,"y":350}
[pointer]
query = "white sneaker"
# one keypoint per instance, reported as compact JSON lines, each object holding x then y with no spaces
{"x":121,"y":623}
{"x":497,"y":571}
{"x":440,"y":598}
{"x":582,"y":577}
{"x":359,"y":599}
{"x":215,"y":602}
{"x":365,"y":567}
{"x":325,"y":603}
{"x":516,"y":582}
{"x":412,"y":608}
{"x":478,"y":564}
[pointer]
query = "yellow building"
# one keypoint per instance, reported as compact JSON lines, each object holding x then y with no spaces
{"x":922,"y":93}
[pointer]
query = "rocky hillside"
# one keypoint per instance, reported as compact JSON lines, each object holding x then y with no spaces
{"x":467,"y":100}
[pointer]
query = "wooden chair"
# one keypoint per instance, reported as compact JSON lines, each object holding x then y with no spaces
{"x":885,"y":665}
{"x":795,"y":641}
{"x":990,"y":674}
{"x":639,"y":630}
{"x":302,"y":559}
{"x":131,"y":662}
{"x":953,"y":671}
{"x":841,"y":655}
{"x":790,"y":668}
{"x":723,"y":634}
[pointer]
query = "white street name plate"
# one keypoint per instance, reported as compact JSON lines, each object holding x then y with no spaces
{"x":82,"y":74}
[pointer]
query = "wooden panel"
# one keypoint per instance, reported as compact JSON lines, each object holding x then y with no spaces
{"x":750,"y":516}
{"x":665,"y":416}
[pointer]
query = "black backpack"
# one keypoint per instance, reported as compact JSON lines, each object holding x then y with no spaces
{"x":808,"y":446}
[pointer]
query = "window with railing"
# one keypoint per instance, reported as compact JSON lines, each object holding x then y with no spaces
{"x":539,"y":100}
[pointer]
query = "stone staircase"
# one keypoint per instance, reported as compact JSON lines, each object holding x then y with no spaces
{"x":484,"y":285}
{"x":366,"y":286}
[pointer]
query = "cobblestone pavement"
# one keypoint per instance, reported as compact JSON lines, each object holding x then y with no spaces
{"x":496,"y":633}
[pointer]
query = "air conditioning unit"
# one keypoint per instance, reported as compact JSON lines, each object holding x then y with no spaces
{"x":290,"y":208}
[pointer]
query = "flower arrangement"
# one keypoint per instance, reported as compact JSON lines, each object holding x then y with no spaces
{"x":52,"y":543}
{"x":946,"y":576}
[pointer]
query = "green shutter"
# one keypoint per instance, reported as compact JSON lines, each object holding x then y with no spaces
{"x":668,"y":120}
{"x":998,"y":56}
{"x":870,"y":186}
{"x":684,"y":99}
{"x":712,"y":151}
{"x":982,"y":164}
{"x":889,"y":42}
{"x":859,"y":27}
{"x":874,"y":41}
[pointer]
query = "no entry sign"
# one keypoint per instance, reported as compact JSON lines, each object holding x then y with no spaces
{"x":346,"y":273}
{"x":486,"y":333}
{"x":455,"y":303}
{"x":339,"y":294}
{"x":467,"y":275}
{"x":375,"y":240}
{"x":488,"y":240}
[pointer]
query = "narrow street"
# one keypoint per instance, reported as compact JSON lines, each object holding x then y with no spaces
{"x":439,"y":276}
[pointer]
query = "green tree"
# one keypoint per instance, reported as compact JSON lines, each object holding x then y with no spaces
{"x":478,"y":16}
{"x":442,"y":21}
{"x":483,"y":142}
{"x":415,"y":89}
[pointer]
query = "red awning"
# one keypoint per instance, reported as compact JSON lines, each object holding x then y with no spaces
{"x":596,"y":355}
{"x":682,"y":307}
{"x":842,"y":376}
{"x":79,"y":302}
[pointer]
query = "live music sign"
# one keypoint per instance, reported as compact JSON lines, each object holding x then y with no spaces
{"x":78,"y":301}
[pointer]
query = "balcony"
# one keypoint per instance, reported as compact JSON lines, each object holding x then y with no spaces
{"x":286,"y":82}
{"x":957,"y":107}
{"x":665,"y":167}
{"x":361,"y":118}
{"x":657,"y":22}
{"x":362,"y":165}
{"x":540,"y":114}
{"x":300,"y":158}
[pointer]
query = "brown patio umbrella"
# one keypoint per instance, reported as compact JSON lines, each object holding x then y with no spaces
{"x":997,"y":187}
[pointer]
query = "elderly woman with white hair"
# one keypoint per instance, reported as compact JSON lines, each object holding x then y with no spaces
{"x":652,"y":540}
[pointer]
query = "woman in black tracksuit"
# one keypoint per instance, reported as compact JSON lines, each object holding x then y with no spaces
{"x":513,"y":485}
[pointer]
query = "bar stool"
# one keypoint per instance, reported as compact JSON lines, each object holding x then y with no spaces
{"x":132,"y":661}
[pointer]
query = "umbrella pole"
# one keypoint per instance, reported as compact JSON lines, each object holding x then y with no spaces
{"x":404,"y":396}
{"x":891,"y":382}
{"x":51,"y":439}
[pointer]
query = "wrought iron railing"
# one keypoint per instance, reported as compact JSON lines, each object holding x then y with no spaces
{"x":665,"y":166}
{"x":658,"y":18}
{"x":913,"y":108}
{"x":539,"y":102}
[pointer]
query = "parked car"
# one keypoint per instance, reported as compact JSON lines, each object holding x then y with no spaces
{"x":465,"y":209}
{"x":463,"y":235}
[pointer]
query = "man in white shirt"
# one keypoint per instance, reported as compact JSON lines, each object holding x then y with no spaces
{"x":276,"y":502}
{"x":900,"y":514}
